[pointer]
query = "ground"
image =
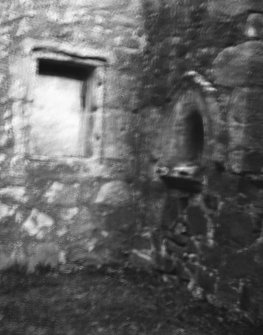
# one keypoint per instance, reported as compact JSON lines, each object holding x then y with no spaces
{"x":107,"y":301}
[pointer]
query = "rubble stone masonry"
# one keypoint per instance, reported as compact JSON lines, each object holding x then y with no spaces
{"x":132,"y":131}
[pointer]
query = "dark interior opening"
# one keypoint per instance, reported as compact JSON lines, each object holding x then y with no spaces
{"x":193,"y":136}
{"x":68,"y":69}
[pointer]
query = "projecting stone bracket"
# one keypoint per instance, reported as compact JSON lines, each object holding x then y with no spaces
{"x":183,"y":178}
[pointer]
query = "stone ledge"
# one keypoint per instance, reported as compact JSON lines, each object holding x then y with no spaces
{"x":66,"y":50}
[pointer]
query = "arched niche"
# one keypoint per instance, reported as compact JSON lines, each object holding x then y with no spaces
{"x":187,"y":136}
{"x":190,"y":134}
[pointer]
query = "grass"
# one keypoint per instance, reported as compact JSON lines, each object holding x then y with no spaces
{"x":106,"y":301}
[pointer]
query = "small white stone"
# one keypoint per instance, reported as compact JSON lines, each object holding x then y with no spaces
{"x":68,"y":214}
{"x":104,"y":233}
{"x":63,"y":231}
{"x":36,"y":222}
{"x":62,"y":257}
{"x":2,"y":158}
{"x":251,"y":32}
{"x":6,"y":211}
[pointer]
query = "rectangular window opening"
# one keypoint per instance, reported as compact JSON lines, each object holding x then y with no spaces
{"x":61,"y":118}
{"x":67,"y":69}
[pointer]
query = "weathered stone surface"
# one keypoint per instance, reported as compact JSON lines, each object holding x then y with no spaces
{"x":206,"y":279}
{"x":61,"y":194}
{"x":238,"y":265}
{"x":245,"y":160}
{"x":257,"y":252}
{"x":15,"y":193}
{"x":84,"y":216}
{"x":246,"y":137}
{"x":211,"y":255}
{"x":82,"y":252}
{"x":234,"y":7}
{"x":5,"y":261}
{"x":107,"y":4}
{"x":17,"y":165}
{"x":68,"y":214}
{"x":13,"y":257}
{"x":254,"y":26}
{"x":197,"y":220}
{"x":81,"y":231}
{"x":235,"y":159}
{"x":245,"y":106}
{"x":150,"y":53}
{"x":235,"y":228}
{"x":252,"y":161}
{"x":88,"y":190}
{"x":24,"y":27}
{"x":6,"y":211}
{"x":38,"y":224}
{"x":3,"y":157}
{"x":117,"y":95}
{"x":115,"y":193}
{"x":227,"y":293}
{"x":241,"y":65}
{"x":83,"y":226}
{"x":43,"y":169}
{"x":45,"y":254}
{"x":5,"y":141}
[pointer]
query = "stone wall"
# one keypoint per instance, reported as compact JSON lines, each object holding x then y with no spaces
{"x":204,"y":57}
{"x":67,"y":198}
{"x":162,"y":164}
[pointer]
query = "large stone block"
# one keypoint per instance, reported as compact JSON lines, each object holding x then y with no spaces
{"x":14,"y":193}
{"x":245,"y":129}
{"x":252,"y":161}
{"x":245,"y":138}
{"x":81,"y":231}
{"x":241,"y":65}
{"x":61,"y":194}
{"x":234,"y":7}
{"x":117,"y":132}
{"x":235,"y":228}
{"x":115,"y":193}
{"x":238,"y":265}
{"x":88,"y":189}
{"x":67,"y":214}
{"x":38,"y":224}
{"x":85,"y":217}
{"x":122,"y":88}
{"x":6,"y":211}
{"x":245,"y":106}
